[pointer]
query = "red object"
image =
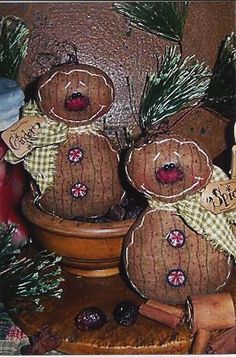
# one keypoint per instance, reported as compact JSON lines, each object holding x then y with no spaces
{"x":77,"y":102}
{"x":79,"y":190}
{"x":176,"y":238}
{"x":44,"y":341}
{"x":15,"y":333}
{"x":75,"y":155}
{"x":12,"y":189}
{"x":176,"y":278}
{"x":173,"y":175}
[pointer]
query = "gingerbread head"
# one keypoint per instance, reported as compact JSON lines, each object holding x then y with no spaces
{"x":75,"y":94}
{"x":168,"y":168}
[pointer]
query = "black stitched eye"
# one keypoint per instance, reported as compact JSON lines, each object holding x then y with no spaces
{"x":76,"y":95}
{"x":169,"y":166}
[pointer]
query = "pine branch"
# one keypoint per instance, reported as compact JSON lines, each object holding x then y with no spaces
{"x":13,"y":46}
{"x":165,"y":18}
{"x":177,"y":85}
{"x":27,"y":278}
{"x":221,"y":94}
{"x":7,"y":251}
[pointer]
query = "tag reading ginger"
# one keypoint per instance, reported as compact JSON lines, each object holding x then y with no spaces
{"x":20,"y":136}
{"x":219,"y":196}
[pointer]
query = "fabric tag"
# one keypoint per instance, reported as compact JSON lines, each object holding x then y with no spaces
{"x":219,"y":196}
{"x":20,"y":136}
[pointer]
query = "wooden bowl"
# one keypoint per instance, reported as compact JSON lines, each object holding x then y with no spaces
{"x":87,"y":249}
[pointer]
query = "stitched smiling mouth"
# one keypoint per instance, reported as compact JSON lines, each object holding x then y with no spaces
{"x":77,"y":102}
{"x":169,"y":174}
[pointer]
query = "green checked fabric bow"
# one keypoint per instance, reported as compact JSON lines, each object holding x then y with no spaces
{"x":217,"y":229}
{"x":40,"y":162}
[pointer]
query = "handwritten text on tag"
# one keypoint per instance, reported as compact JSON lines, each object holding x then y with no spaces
{"x":20,"y":136}
{"x":219,"y":196}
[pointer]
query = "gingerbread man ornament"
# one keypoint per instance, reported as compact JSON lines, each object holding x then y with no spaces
{"x":74,"y":165}
{"x":176,"y":247}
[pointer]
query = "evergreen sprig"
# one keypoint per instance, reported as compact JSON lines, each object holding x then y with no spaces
{"x":13,"y":46}
{"x":164,"y":18}
{"x":7,"y":250}
{"x":221,"y":94}
{"x":179,"y":83}
{"x":23,"y":278}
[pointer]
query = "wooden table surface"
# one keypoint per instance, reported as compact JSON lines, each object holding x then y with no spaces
{"x":144,"y":337}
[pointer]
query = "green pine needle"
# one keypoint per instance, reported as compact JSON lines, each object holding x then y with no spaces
{"x":31,"y":278}
{"x":13,"y":46}
{"x":177,"y":85}
{"x":221,"y":94}
{"x":165,"y":18}
{"x":7,"y":251}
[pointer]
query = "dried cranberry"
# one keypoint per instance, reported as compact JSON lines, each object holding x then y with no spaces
{"x":90,"y":318}
{"x":125,"y":313}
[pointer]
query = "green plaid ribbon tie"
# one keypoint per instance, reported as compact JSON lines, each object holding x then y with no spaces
{"x":40,"y":162}
{"x":216,"y":228}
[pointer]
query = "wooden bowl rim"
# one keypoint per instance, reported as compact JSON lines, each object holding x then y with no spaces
{"x":71,"y":228}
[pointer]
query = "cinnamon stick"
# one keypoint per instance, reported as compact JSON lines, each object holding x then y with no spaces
{"x":169,"y":315}
{"x":224,"y":342}
{"x":200,"y":342}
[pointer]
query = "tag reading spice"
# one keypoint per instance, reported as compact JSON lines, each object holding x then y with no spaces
{"x":19,"y":137}
{"x":219,"y":196}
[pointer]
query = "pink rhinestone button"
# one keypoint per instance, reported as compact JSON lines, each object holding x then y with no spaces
{"x":176,"y":238}
{"x":79,"y":190}
{"x":176,"y":278}
{"x":75,"y":155}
